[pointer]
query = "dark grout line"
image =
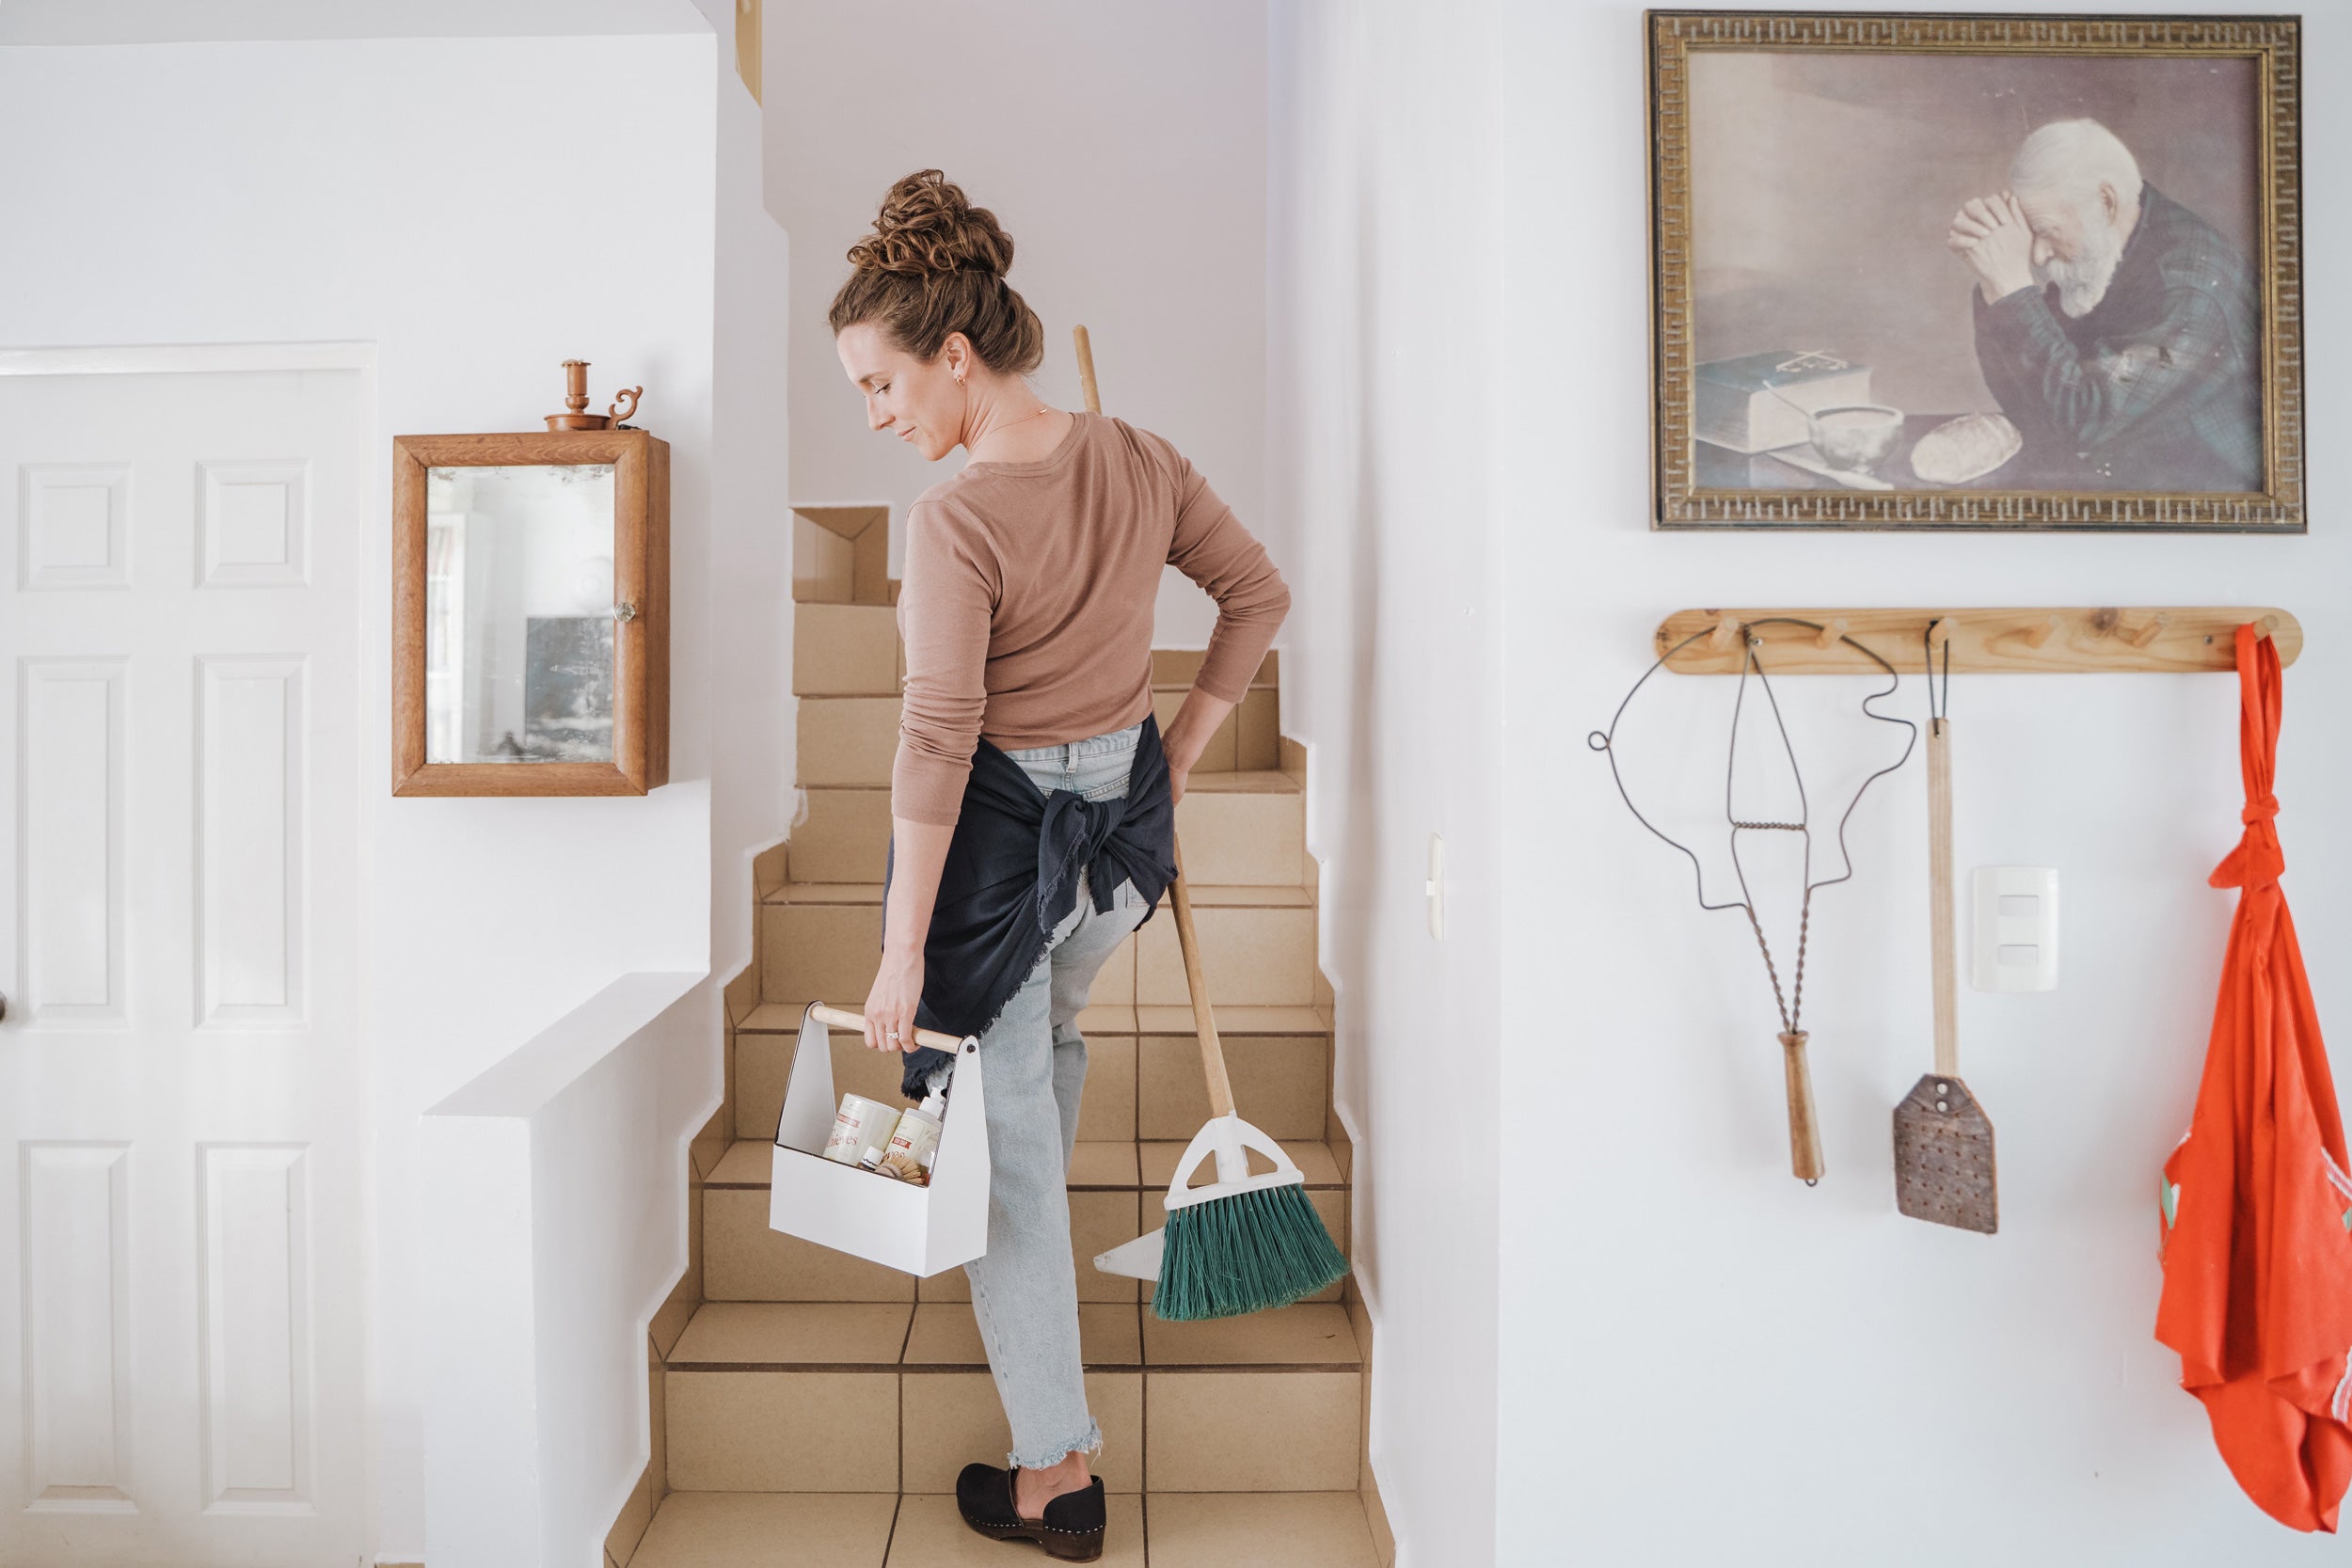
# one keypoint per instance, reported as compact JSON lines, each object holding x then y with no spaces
{"x":942,"y":1368}
{"x":1364,"y":1504}
{"x":1143,"y":1432}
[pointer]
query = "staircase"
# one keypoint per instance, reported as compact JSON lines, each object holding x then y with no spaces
{"x":813,"y":1408}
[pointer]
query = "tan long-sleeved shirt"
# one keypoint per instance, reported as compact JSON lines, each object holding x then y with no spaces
{"x":1026,"y":601}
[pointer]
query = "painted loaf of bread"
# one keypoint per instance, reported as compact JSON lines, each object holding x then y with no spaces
{"x":1963,"y":448}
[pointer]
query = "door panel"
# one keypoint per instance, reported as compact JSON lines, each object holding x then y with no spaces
{"x":182,"y":1078}
{"x":71,"y":761}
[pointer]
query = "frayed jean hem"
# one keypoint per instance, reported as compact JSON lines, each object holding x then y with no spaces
{"x":1091,"y":1444}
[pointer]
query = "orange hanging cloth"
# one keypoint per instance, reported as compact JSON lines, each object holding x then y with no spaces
{"x":2257,"y":1239}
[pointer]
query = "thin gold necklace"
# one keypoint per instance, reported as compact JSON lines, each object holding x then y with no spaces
{"x":1046,"y":408}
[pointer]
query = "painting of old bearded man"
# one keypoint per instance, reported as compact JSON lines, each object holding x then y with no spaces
{"x":1993,"y":272}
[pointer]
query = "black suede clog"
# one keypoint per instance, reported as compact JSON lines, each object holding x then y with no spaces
{"x":1071,"y":1530}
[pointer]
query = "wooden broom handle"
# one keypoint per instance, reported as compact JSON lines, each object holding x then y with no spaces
{"x":1940,"y":891}
{"x":841,"y":1018}
{"x":1211,"y":1053}
{"x":1086,"y":370}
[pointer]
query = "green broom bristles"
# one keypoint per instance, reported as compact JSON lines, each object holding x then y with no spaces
{"x":1248,"y":1253}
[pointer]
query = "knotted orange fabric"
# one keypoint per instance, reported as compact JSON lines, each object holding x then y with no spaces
{"x":2257,"y":1240}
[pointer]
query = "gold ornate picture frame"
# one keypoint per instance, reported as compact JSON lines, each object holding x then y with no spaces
{"x":1914,"y":271}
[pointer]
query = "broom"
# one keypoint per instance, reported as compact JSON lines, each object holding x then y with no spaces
{"x":1242,"y":1243}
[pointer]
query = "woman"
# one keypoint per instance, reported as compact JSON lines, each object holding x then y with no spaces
{"x":1032,"y":796}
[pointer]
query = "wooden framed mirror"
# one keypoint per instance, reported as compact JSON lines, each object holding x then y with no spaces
{"x":530,"y":624}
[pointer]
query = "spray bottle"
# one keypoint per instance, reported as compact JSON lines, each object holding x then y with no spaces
{"x":914,"y":1144}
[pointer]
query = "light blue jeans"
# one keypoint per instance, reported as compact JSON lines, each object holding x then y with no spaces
{"x":1024,"y":1290}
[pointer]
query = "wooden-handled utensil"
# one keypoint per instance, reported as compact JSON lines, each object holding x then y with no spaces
{"x":1805,"y":1132}
{"x":1944,"y":1169}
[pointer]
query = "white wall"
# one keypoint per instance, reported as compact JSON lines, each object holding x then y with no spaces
{"x":560,"y":1170}
{"x":372,"y":190}
{"x":752,"y":760}
{"x":1122,"y":147}
{"x":1384,"y":488}
{"x":1705,"y":1361}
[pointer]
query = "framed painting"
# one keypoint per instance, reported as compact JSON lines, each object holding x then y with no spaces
{"x":1917,"y":271}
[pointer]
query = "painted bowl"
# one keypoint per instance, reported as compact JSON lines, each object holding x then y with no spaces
{"x":1855,"y":435}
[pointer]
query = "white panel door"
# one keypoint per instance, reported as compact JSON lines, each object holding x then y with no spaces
{"x":180,"y":1069}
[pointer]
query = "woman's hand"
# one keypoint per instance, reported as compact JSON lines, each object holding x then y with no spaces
{"x":890,"y":1005}
{"x":1187,"y":736}
{"x":1179,"y":768}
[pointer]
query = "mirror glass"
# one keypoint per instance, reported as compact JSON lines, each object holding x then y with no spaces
{"x":518,"y":614}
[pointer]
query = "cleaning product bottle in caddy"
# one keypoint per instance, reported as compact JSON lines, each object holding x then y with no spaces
{"x":861,"y":1132}
{"x":899,"y":1143}
{"x":914,"y":1142}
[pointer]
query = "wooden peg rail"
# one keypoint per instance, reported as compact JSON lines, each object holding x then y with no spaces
{"x":2151,"y":639}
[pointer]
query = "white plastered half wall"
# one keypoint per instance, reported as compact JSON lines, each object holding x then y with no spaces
{"x":425,"y":195}
{"x":1707,"y":1360}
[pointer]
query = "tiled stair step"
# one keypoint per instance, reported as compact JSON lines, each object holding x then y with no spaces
{"x":1098,"y":1165}
{"x":1236,"y":827}
{"x":1205,"y":896}
{"x":1143,"y":1068}
{"x":850,"y":738}
{"x":843,"y":838}
{"x":757,"y":1396}
{"x":880,"y":1529}
{"x":846,"y":650}
{"x":1115,"y":1195}
{"x":846,"y":740}
{"x":1257,"y":947}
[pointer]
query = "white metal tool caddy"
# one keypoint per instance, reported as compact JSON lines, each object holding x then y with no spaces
{"x":918,"y":1231}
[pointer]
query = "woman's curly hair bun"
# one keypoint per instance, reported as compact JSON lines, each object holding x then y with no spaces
{"x":934,"y":265}
{"x":928,"y":225}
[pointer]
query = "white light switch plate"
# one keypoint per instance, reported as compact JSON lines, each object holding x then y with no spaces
{"x":1435,"y":887}
{"x":2016,"y":928}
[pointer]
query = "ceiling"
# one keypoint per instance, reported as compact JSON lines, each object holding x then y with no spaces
{"x":71,"y":22}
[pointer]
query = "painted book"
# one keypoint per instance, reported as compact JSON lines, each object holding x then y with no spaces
{"x":1758,"y":401}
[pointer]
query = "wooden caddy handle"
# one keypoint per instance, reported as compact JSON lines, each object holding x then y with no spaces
{"x":841,"y":1018}
{"x":1805,"y":1133}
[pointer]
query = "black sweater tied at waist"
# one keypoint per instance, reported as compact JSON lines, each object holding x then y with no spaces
{"x":1011,"y":877}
